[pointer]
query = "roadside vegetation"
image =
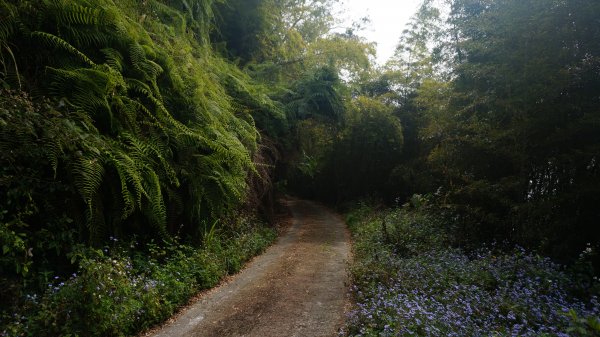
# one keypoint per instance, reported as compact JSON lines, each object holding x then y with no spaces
{"x":411,"y":277}
{"x":123,"y":288}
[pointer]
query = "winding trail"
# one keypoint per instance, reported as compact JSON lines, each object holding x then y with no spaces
{"x":296,"y":288}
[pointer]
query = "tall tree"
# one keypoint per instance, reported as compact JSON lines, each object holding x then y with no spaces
{"x":524,"y":119}
{"x":419,"y":51}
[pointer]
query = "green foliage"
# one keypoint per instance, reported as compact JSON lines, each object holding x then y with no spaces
{"x":583,"y":326}
{"x":509,"y":139}
{"x":408,"y":279}
{"x":417,"y":55}
{"x":316,"y":95}
{"x":34,"y":138}
{"x":523,"y":120}
{"x":145,"y":117}
{"x":15,"y":252}
{"x":238,"y":25}
{"x":56,"y":42}
{"x":131,"y":126}
{"x":126,"y":119}
{"x":294,"y":26}
{"x":120,"y":292}
{"x":370,"y":145}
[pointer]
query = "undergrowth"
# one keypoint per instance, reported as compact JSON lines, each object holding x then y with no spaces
{"x":411,"y":279}
{"x":122,"y":289}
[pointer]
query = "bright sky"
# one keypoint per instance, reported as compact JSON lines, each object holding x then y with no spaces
{"x":388,"y":18}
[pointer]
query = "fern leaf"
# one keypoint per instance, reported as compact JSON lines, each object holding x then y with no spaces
{"x":80,"y":15}
{"x":96,"y":221}
{"x":156,"y":210}
{"x":88,"y":172}
{"x":53,"y":149}
{"x":56,"y":42}
{"x":149,"y":151}
{"x":8,"y":17}
{"x":129,"y":175}
{"x":113,"y":58}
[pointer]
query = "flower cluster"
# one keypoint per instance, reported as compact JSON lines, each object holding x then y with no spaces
{"x":448,"y":292}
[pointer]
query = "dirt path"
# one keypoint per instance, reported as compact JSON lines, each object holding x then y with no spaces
{"x":297,"y":288}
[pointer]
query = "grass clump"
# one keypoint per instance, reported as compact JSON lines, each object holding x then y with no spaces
{"x":410,"y":279}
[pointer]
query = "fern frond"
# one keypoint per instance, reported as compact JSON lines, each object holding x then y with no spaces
{"x":163,"y":115}
{"x":113,"y":58}
{"x":75,"y":14}
{"x":130,"y":179}
{"x":85,"y":88}
{"x":88,"y":172}
{"x":149,"y":150}
{"x":142,"y":108}
{"x":54,"y":150}
{"x":8,"y":16}
{"x":89,"y":90}
{"x":8,"y":74}
{"x":156,"y":210}
{"x":140,"y":87}
{"x":129,"y":201}
{"x":169,"y":16}
{"x":54,"y":41}
{"x":152,"y":68}
{"x":190,"y":139}
{"x":127,"y":113}
{"x":145,"y":90}
{"x":148,"y":68}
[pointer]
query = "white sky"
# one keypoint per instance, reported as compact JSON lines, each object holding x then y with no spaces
{"x":388,"y":18}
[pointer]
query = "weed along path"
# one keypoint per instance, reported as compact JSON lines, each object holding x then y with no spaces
{"x":296,"y":288}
